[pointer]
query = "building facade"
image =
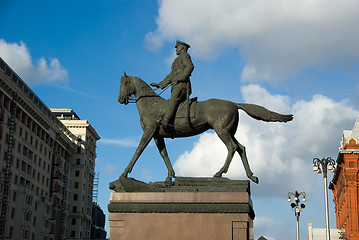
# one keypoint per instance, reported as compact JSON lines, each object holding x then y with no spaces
{"x":321,"y":233}
{"x":38,"y":166}
{"x":345,"y":184}
{"x":98,"y":223}
{"x":82,"y":173}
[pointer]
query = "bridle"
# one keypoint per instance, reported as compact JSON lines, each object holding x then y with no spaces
{"x":132,"y":98}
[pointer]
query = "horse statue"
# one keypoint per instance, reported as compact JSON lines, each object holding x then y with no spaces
{"x":220,"y":115}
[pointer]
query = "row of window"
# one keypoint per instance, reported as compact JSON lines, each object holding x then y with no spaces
{"x":27,"y":234}
{"x":25,"y":182}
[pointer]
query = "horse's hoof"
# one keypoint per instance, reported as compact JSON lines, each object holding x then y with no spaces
{"x":168,"y":180}
{"x":218,"y":174}
{"x":254,"y":179}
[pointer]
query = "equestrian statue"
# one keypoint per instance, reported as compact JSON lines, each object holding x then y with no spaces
{"x":183,"y":117}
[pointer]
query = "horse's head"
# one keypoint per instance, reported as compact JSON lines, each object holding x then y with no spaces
{"x":126,"y":89}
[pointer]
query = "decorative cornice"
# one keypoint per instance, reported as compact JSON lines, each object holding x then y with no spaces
{"x":227,"y":208}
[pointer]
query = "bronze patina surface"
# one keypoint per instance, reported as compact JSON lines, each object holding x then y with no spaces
{"x":162,"y":118}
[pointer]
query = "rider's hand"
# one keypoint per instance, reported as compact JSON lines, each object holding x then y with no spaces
{"x":155,"y":85}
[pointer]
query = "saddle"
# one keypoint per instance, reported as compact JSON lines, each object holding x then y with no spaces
{"x":182,"y":109}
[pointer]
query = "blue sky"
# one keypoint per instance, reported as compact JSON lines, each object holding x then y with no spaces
{"x":298,"y":57}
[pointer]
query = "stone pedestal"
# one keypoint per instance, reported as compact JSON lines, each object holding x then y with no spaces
{"x":179,"y":215}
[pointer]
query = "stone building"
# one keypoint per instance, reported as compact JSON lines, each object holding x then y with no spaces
{"x":46,"y":166}
{"x":321,"y":233}
{"x":82,"y":173}
{"x":98,"y":223}
{"x":345,"y":184}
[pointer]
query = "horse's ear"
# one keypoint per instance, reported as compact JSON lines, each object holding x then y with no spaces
{"x":124,"y":74}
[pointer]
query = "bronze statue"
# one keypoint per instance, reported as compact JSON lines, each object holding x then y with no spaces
{"x":220,"y":115}
{"x":178,"y":78}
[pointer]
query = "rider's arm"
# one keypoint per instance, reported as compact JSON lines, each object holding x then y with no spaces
{"x":166,"y":81}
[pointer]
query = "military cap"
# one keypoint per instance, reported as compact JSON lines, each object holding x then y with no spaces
{"x":182,"y":43}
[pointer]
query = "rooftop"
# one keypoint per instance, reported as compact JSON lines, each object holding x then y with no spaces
{"x":350,"y":139}
{"x":65,"y":113}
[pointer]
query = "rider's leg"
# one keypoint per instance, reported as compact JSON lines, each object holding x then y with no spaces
{"x":178,"y":95}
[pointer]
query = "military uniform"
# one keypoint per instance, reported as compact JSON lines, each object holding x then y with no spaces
{"x":178,"y":78}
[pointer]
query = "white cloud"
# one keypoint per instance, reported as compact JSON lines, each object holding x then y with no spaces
{"x":280,"y":154}
{"x":125,"y":142}
{"x":277,"y":38}
{"x":110,"y":170}
{"x":147,"y":175}
{"x":266,"y":224}
{"x":19,"y":59}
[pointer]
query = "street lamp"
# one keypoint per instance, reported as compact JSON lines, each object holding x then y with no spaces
{"x":319,"y":166}
{"x":296,"y":206}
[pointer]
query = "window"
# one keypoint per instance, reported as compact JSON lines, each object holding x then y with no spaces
{"x":76,"y":197}
{"x":23,"y":166}
{"x":28,"y":199}
{"x":22,"y":181}
{"x":78,"y":161}
{"x":76,"y":185}
{"x":27,"y":216}
{"x":74,"y":209}
{"x":77,"y":173}
{"x":73,"y":222}
{"x":11,"y":229}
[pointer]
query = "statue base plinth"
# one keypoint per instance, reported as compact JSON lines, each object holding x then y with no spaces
{"x":187,"y":213}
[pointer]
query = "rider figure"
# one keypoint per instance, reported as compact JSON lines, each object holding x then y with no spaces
{"x":178,"y":78}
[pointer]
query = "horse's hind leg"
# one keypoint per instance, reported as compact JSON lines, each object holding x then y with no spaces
{"x":242,"y":152}
{"x":231,"y":147}
{"x":160,"y":143}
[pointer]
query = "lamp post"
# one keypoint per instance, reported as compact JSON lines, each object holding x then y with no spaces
{"x":296,"y":207}
{"x":322,"y":166}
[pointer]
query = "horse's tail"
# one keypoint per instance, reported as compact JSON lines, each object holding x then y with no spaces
{"x":261,"y":113}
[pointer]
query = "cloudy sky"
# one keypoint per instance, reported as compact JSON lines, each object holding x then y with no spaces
{"x":299,"y":57}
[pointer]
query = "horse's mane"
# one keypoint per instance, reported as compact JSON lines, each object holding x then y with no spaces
{"x":144,"y":88}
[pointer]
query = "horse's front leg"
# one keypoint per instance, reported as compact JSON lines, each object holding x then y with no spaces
{"x":145,"y":140}
{"x":160,"y":142}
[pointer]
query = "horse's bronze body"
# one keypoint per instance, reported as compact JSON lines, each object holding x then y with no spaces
{"x":220,"y":115}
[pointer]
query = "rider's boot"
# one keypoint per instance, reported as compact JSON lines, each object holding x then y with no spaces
{"x":165,"y":122}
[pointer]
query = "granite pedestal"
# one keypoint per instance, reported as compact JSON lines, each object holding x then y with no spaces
{"x":189,"y":208}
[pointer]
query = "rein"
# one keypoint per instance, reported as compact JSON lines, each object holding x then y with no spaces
{"x":134,"y":100}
